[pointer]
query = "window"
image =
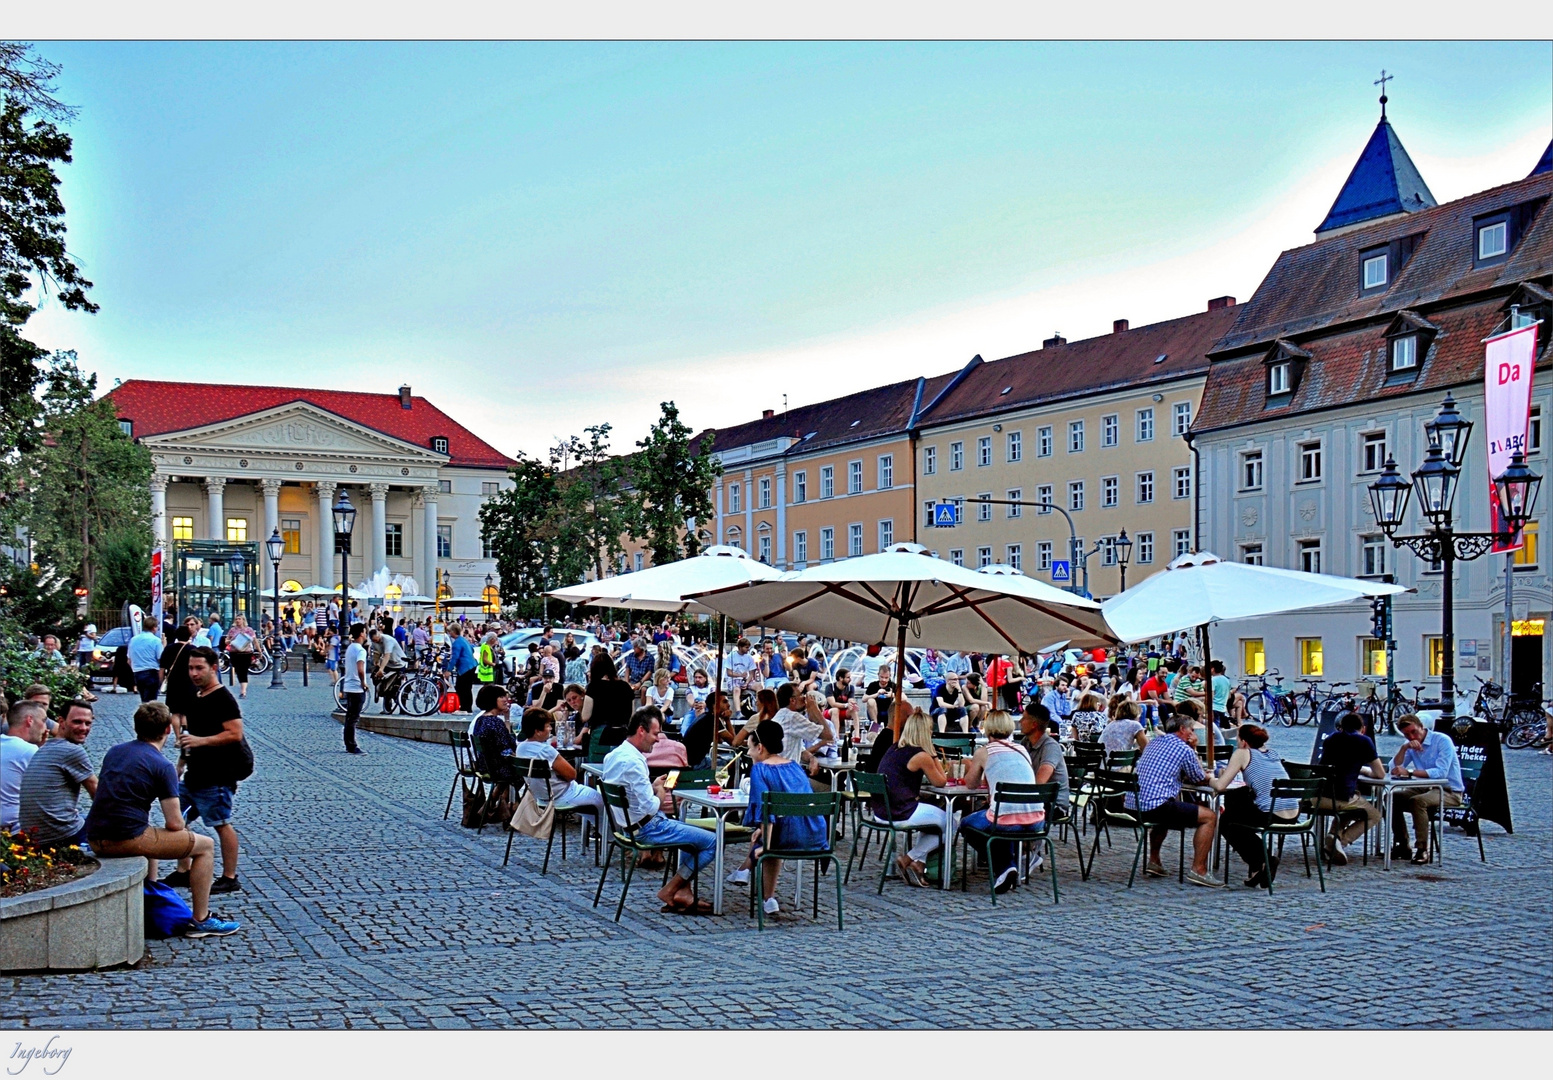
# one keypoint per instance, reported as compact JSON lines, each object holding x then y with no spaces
{"x":291,"y":533}
{"x":1110,"y":430}
{"x":127,"y":427}
{"x":1145,"y":547}
{"x":1043,"y":441}
{"x":183,"y":528}
{"x":983,"y":556}
{"x":927,"y":512}
{"x":1076,"y":495}
{"x":1253,"y":656}
{"x":854,"y":477}
{"x":1251,"y":471}
{"x":1015,"y":496}
{"x":1434,"y":655}
{"x":827,"y":481}
{"x":1251,"y":554}
{"x":855,"y":539}
{"x":1534,"y":430}
{"x":1310,"y":556}
{"x":1014,"y":556}
{"x":765,"y":492}
{"x":959,"y":509}
{"x":1145,"y":425}
{"x":827,"y":544}
{"x":929,"y":460}
{"x":801,"y":546}
{"x":439,"y":444}
{"x":1016,"y":446}
{"x":957,"y":556}
{"x":886,"y":471}
{"x":1181,"y":418}
{"x":1043,"y":495}
{"x":1374,"y":270}
{"x":1043,"y":555}
{"x":444,"y":541}
{"x":1310,"y":462}
{"x":1146,"y":487}
{"x":1372,"y":556}
{"x":237,"y":530}
{"x":1493,"y":240}
{"x":489,"y":487}
{"x":1110,"y":488}
{"x":1181,"y":482}
{"x":956,"y":456}
{"x":487,"y":547}
{"x":1075,"y":436}
{"x":1180,"y":542}
{"x":765,"y":550}
{"x":1309,"y":649}
{"x":886,"y":533}
{"x":800,"y":486}
{"x":1108,"y":551}
{"x":984,"y":450}
{"x":393,"y":540}
{"x":984,"y":509}
{"x":1526,"y":557}
{"x":445,"y":487}
{"x":1279,"y":378}
{"x":1404,"y":353}
{"x":1372,"y":451}
{"x":1372,"y":657}
{"x":735,"y":499}
{"x":636,"y":561}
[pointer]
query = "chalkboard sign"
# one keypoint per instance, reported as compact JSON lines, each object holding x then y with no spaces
{"x":1326,"y":725}
{"x":1490,"y":796}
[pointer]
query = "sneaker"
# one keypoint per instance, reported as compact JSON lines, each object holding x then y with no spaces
{"x":1040,"y":861}
{"x":178,"y":879}
{"x":1202,"y":879}
{"x":356,"y":750}
{"x":1006,"y":881}
{"x":212,"y":927}
{"x":225,"y":885}
{"x":1336,"y":855}
{"x":739,"y":877}
{"x":1155,"y":869}
{"x":771,"y":906}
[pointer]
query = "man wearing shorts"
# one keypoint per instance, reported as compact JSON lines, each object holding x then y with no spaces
{"x":134,"y":775}
{"x":211,"y":740}
{"x":1161,"y":768}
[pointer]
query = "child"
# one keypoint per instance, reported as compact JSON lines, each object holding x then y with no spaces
{"x":775,"y":773}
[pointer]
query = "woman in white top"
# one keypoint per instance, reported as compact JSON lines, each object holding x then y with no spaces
{"x":661,"y":692}
{"x":562,"y":788}
{"x":240,"y":645}
{"x":1003,"y":761}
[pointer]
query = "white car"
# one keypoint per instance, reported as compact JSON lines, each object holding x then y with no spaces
{"x":517,"y":643}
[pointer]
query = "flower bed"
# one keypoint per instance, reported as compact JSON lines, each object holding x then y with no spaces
{"x":26,"y":865}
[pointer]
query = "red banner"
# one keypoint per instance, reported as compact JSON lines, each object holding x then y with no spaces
{"x":1507,"y":404}
{"x":156,"y":587}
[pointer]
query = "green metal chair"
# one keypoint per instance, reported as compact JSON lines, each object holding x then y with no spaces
{"x":463,"y":766}
{"x":955,"y":745}
{"x":536,"y":771}
{"x":1122,"y":759}
{"x":866,"y":825}
{"x":776,"y":805}
{"x":1112,"y":788}
{"x":625,"y":839}
{"x":1011,"y":798}
{"x":1306,"y":791}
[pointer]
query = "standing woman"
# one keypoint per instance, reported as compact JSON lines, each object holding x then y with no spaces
{"x":240,"y":645}
{"x":606,"y":705}
{"x":175,"y":661}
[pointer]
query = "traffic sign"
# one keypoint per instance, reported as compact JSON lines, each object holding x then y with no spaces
{"x":944,"y":516}
{"x":1062,"y":570}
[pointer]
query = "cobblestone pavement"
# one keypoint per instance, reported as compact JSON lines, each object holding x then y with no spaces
{"x":363,"y":908}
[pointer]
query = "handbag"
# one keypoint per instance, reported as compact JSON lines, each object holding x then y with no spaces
{"x":166,"y":913}
{"x":473,"y":815}
{"x":531,"y":819}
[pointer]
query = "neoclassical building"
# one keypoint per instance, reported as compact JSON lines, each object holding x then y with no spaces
{"x":234,"y":463}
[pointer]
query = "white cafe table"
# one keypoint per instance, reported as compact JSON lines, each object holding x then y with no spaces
{"x":720,"y":805}
{"x":950,"y":793}
{"x":1388,"y":790}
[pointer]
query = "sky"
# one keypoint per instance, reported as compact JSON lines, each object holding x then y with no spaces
{"x":542,"y":236}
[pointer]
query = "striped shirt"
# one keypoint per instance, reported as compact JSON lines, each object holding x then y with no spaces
{"x":1259,"y":774}
{"x":1164,"y":763}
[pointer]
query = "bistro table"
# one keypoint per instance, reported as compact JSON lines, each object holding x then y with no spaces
{"x":1388,"y":790}
{"x":720,"y":805}
{"x":950,"y":793}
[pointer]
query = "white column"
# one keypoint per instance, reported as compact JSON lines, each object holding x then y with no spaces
{"x":750,"y":543}
{"x":215,"y":488}
{"x":271,"y":490}
{"x":781,"y":515}
{"x":159,"y":507}
{"x":323,"y":558}
{"x":717,"y":504}
{"x":429,"y":583}
{"x":379,"y":527}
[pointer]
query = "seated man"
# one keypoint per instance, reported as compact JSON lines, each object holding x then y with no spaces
{"x":52,"y":784}
{"x":1349,"y":752}
{"x":801,"y":719}
{"x":650,"y":807}
{"x":134,"y":775}
{"x":24,"y":732}
{"x":1426,"y":753}
{"x":949,"y":702}
{"x":1161,"y":768}
{"x":841,"y":705}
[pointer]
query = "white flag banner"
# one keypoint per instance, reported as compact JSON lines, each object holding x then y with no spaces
{"x":1507,"y":403}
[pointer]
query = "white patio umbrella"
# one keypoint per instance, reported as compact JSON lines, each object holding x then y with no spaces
{"x":905,"y":592}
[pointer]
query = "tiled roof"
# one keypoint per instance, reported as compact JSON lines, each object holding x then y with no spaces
{"x":868,"y":414}
{"x":157,"y":408}
{"x":1089,"y":366}
{"x":1318,"y":285}
{"x":1384,"y":181}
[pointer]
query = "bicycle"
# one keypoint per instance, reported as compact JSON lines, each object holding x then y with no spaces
{"x":1301,"y":706}
{"x":1531,"y":732}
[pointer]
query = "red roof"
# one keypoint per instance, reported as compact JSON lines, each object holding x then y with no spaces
{"x":157,"y":408}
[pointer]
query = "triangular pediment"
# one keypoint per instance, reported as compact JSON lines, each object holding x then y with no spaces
{"x":295,"y":428}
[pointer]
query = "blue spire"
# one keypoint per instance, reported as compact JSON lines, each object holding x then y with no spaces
{"x":1546,"y":164}
{"x":1384,"y":181}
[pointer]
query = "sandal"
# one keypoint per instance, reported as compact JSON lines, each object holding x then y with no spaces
{"x":1422,"y":857}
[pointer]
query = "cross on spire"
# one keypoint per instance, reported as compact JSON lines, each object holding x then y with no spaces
{"x":1381,"y":82}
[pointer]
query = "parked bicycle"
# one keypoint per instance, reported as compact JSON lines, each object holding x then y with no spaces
{"x":1301,"y":706}
{"x":1532,"y":732}
{"x":1268,"y":699}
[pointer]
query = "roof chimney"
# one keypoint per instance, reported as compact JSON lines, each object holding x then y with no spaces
{"x":1119,"y":326}
{"x":1055,"y":339}
{"x":767,"y":414}
{"x":404,"y":396}
{"x":1219,"y":303}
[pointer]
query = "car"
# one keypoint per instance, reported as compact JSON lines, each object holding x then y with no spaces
{"x":101,"y":667}
{"x":516,"y":643}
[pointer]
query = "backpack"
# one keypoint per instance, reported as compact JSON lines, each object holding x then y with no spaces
{"x":166,"y":913}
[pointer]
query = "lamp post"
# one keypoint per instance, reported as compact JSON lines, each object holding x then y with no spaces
{"x":1123,"y":556}
{"x":1436,"y":481}
{"x":344,"y":524}
{"x":275,"y":547}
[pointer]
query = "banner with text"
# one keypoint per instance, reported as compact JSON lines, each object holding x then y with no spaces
{"x":1507,"y":403}
{"x":156,"y":587}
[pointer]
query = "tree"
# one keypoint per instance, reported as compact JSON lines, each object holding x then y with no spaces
{"x":595,"y":511}
{"x":521,"y":525}
{"x":123,"y":568}
{"x":673,"y":482}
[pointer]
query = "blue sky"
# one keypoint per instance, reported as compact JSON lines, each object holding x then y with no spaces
{"x":543,"y":236}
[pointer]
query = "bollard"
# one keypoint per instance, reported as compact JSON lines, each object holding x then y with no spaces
{"x":304,"y":669}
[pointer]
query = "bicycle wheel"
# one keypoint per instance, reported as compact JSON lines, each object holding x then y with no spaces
{"x":1288,"y":710}
{"x":1525,"y":733}
{"x":339,"y":694}
{"x":260,"y":663}
{"x":1256,"y":705}
{"x":420,"y":696}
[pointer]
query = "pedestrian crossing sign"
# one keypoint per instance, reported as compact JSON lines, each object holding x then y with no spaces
{"x":1061,"y":570}
{"x":943,"y":515}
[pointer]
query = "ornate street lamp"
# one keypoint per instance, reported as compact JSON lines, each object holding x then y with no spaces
{"x":1388,"y":498}
{"x":344,"y":524}
{"x":1516,"y":489}
{"x":1449,"y":430}
{"x":275,"y":547}
{"x":1435,"y":481}
{"x":1123,"y":555}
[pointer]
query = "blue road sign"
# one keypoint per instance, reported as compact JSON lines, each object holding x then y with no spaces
{"x":1062,"y":570}
{"x":943,"y":515}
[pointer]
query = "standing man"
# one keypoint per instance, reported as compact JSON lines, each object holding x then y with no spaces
{"x":639,"y":666}
{"x":355,"y":686}
{"x":24,"y":733}
{"x":461,"y":662}
{"x":215,"y":631}
{"x":86,"y":647}
{"x":145,"y":659}
{"x":212,"y":742}
{"x":51,"y":786}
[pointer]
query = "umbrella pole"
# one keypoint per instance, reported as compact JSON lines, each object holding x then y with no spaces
{"x":722,"y":632}
{"x":900,"y":679}
{"x":1211,"y":731}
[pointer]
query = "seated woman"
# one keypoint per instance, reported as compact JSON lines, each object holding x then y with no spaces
{"x":491,"y":734}
{"x":1088,"y":721}
{"x":1002,"y":761}
{"x":1246,"y":809}
{"x":562,"y":788}
{"x":766,"y":708}
{"x":903,"y":767}
{"x":773,"y":772}
{"x":661,"y":692}
{"x":1124,"y":732}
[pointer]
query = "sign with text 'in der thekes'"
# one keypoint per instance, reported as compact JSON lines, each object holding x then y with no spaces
{"x":1507,"y":403}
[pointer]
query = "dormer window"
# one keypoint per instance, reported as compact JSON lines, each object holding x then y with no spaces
{"x":1493,"y":240}
{"x":127,"y":427}
{"x":439,"y":444}
{"x":1404,"y":353}
{"x":1374,"y":267}
{"x":1285,"y":364}
{"x":1407,"y":344}
{"x":1279,"y":380}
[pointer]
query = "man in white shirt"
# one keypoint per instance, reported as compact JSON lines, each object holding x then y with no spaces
{"x":802,"y":722}
{"x":650,"y":806}
{"x":739,"y":668}
{"x":25,"y":727}
{"x":355,"y":687}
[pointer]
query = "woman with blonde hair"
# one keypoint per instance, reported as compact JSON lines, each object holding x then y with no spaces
{"x":903,"y":767}
{"x":1002,"y":761}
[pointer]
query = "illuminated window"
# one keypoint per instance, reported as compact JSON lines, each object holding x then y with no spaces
{"x":1526,"y":557}
{"x":237,"y":530}
{"x":183,"y":528}
{"x":1253,"y":656}
{"x":291,"y":533}
{"x":1372,"y":657}
{"x":1434,"y":655}
{"x":1309,"y":649}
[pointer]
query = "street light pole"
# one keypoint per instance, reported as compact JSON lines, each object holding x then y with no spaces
{"x":276,"y":548}
{"x":344,"y":524}
{"x":1075,"y":551}
{"x":1123,"y":556}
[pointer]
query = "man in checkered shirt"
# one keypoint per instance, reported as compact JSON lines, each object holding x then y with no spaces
{"x":1163,"y":765}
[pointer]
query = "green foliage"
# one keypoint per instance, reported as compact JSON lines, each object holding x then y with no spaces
{"x":520,"y":524}
{"x":36,"y":602}
{"x":123,"y":568}
{"x":19,"y":668}
{"x":595,"y":509}
{"x":673,"y":482}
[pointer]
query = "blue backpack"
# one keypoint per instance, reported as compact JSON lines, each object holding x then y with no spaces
{"x":166,"y":913}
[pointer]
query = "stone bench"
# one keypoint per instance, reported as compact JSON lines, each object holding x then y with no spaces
{"x":97,"y":921}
